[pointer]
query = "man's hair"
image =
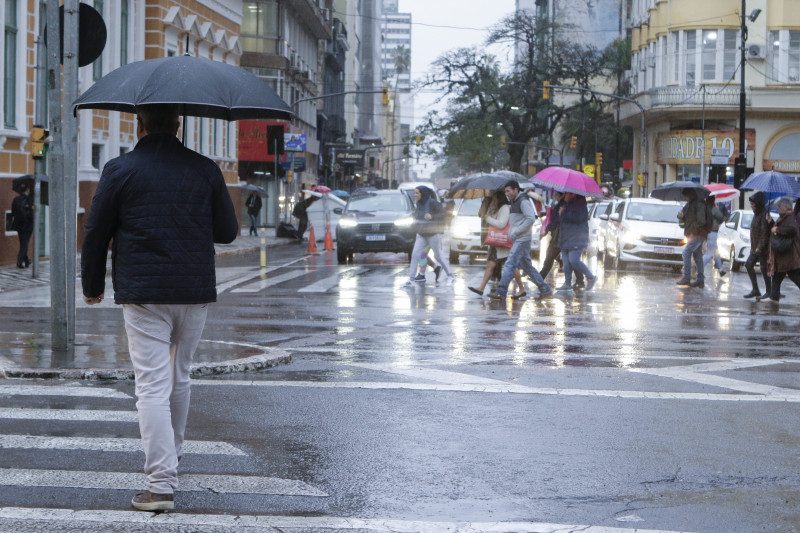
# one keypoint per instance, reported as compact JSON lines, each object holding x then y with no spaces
{"x":514,"y":184}
{"x":784,"y":202}
{"x":159,"y":118}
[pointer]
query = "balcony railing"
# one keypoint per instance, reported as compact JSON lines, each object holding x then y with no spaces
{"x":693,"y":96}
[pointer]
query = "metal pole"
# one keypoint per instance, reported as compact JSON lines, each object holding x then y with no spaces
{"x":40,"y":116}
{"x":58,"y":309}
{"x":739,"y":169}
{"x":70,"y":139}
{"x":703,"y":180}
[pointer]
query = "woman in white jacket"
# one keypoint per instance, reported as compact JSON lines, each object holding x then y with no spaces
{"x":497,"y":216}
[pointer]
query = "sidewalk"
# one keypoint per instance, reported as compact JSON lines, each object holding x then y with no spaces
{"x":28,"y":354}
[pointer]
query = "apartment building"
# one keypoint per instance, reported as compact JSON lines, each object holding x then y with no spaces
{"x":137,"y":30}
{"x":686,"y":74}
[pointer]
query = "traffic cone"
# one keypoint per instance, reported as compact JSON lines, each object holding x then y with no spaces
{"x":312,"y":241}
{"x":328,"y":239}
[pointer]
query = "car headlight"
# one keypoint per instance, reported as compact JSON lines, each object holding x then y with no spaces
{"x":404,"y":222}
{"x":632,"y":236}
{"x":461,"y":229}
{"x":348,"y":222}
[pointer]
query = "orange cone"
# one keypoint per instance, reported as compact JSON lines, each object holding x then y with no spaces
{"x":328,"y":239}
{"x":312,"y":241}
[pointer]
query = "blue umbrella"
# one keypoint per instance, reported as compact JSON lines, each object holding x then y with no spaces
{"x":340,"y":193}
{"x":772,"y":183}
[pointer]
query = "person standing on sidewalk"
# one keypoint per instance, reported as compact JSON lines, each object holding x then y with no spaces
{"x":521,"y":219}
{"x":253,"y":205}
{"x":163,"y":275}
{"x":22,"y":213}
{"x":694,"y":218}
{"x":759,"y":244}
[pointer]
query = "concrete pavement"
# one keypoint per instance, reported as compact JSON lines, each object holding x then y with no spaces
{"x":28,"y":353}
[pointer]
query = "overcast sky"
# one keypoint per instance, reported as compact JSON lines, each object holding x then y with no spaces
{"x":429,"y":40}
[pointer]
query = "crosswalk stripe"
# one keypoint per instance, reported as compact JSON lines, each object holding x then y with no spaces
{"x":108,"y":444}
{"x":60,"y":390}
{"x":218,"y":484}
{"x":325,"y":284}
{"x":269,"y":282}
{"x":167,"y":522}
{"x":77,"y":415}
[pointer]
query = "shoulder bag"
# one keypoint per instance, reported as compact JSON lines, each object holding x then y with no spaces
{"x":780,"y":244}
{"x":498,"y":237}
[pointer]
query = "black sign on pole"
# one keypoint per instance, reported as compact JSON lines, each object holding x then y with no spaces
{"x":92,"y":34}
{"x":274,"y":140}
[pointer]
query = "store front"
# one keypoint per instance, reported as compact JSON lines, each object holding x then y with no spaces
{"x":686,"y":154}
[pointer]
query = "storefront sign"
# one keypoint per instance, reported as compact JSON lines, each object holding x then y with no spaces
{"x":792,"y":166}
{"x":253,"y":140}
{"x":350,"y":157}
{"x":685,"y":147}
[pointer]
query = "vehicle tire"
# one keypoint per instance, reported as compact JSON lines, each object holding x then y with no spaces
{"x":343,"y":256}
{"x":607,"y":264}
{"x":619,"y":264}
{"x":453,"y":257}
{"x":735,"y":266}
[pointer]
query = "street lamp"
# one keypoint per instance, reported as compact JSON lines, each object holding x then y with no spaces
{"x":740,"y":168}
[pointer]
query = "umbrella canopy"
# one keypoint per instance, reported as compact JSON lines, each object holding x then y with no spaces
{"x":200,"y":87}
{"x":722,"y":191}
{"x":567,"y":180}
{"x":26,"y":181}
{"x":340,"y":193}
{"x":255,"y":188}
{"x":773,"y":183}
{"x":673,"y":190}
{"x":321,"y":188}
{"x":483,"y":185}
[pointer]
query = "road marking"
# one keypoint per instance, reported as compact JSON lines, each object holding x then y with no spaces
{"x":108,"y":444}
{"x":269,"y":282}
{"x":60,"y":390}
{"x":511,"y":388}
{"x":218,"y":484}
{"x":72,"y":415}
{"x":254,"y":273}
{"x":325,"y":284}
{"x":124,"y":520}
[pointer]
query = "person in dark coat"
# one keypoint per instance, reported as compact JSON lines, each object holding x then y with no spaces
{"x":300,"y":212}
{"x":253,"y":205}
{"x":573,"y":238}
{"x":783,"y":264}
{"x":164,"y":206}
{"x":694,"y":218}
{"x":22,"y":212}
{"x":759,"y":244}
{"x":553,"y":251}
{"x":430,"y":216}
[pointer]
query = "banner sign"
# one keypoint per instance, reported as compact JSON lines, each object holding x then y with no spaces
{"x":294,"y":142}
{"x":253,"y":140}
{"x":350,"y":157}
{"x":299,"y":164}
{"x":685,"y":147}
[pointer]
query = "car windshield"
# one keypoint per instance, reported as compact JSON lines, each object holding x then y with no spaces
{"x":601,"y":208}
{"x":653,"y":212}
{"x":469,"y":207}
{"x":747,"y":220}
{"x":377,"y":202}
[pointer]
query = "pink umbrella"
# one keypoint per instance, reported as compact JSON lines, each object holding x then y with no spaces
{"x":321,"y":189}
{"x":567,"y":180}
{"x":722,"y":190}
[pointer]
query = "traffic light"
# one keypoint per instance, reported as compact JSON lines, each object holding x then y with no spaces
{"x":545,"y":90}
{"x":640,"y":180}
{"x":385,"y":94}
{"x":502,"y":141}
{"x":598,"y":159}
{"x":573,"y":142}
{"x":39,"y":142}
{"x":419,"y":140}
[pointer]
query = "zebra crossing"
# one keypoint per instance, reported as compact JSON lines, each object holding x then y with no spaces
{"x":38,"y":442}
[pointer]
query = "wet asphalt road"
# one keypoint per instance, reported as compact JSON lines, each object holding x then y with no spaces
{"x":638,"y":405}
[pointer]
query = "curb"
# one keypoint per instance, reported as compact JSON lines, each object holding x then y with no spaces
{"x":247,"y":364}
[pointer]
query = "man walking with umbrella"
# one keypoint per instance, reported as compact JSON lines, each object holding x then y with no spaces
{"x":164,"y":206}
{"x":695,"y":219}
{"x":521,"y":219}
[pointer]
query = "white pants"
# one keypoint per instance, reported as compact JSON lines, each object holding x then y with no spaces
{"x":435,"y":242}
{"x":162,"y":340}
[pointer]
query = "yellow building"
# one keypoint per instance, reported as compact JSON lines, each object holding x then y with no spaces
{"x":137,"y":30}
{"x":685,"y":73}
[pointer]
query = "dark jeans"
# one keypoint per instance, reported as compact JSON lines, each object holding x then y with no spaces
{"x":302,"y":224}
{"x":24,"y":241}
{"x":553,"y":252}
{"x":253,"y":224}
{"x":777,"y":279}
{"x":750,"y":265}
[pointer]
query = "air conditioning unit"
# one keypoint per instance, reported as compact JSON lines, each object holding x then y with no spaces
{"x":756,"y":51}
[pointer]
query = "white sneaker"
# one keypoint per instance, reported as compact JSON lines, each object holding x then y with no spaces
{"x":450,"y":280}
{"x":408,"y":283}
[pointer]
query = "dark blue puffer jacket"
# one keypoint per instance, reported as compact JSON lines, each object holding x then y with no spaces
{"x":574,"y":226}
{"x":164,"y":206}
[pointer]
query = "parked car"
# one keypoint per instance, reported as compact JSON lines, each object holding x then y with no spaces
{"x":465,"y":231}
{"x":733,"y":239}
{"x":375,"y":221}
{"x":644,"y":230}
{"x":595,"y":226}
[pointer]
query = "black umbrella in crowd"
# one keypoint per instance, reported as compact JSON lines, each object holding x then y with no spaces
{"x":199,"y":87}
{"x":673,"y":190}
{"x":483,"y":185}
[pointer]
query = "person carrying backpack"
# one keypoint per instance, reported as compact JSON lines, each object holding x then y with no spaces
{"x":694,"y":216}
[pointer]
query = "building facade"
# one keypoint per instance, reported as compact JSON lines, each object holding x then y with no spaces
{"x":137,"y":30}
{"x":686,"y":69}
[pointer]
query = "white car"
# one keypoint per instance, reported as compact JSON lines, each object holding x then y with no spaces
{"x":733,"y":239}
{"x":644,"y":230}
{"x":465,"y":231}
{"x":316,"y":215}
{"x":596,"y":227}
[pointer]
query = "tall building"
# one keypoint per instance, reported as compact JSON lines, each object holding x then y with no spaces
{"x":685,"y":73}
{"x":396,"y":65}
{"x":396,"y":42}
{"x":137,"y":30}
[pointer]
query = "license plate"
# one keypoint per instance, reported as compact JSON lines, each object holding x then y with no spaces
{"x":376,"y":237}
{"x":663,"y":249}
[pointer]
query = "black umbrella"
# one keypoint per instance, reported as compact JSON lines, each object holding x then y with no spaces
{"x":673,"y":190}
{"x":199,"y":87}
{"x":21,"y":183}
{"x":255,"y":188}
{"x":483,"y":185}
